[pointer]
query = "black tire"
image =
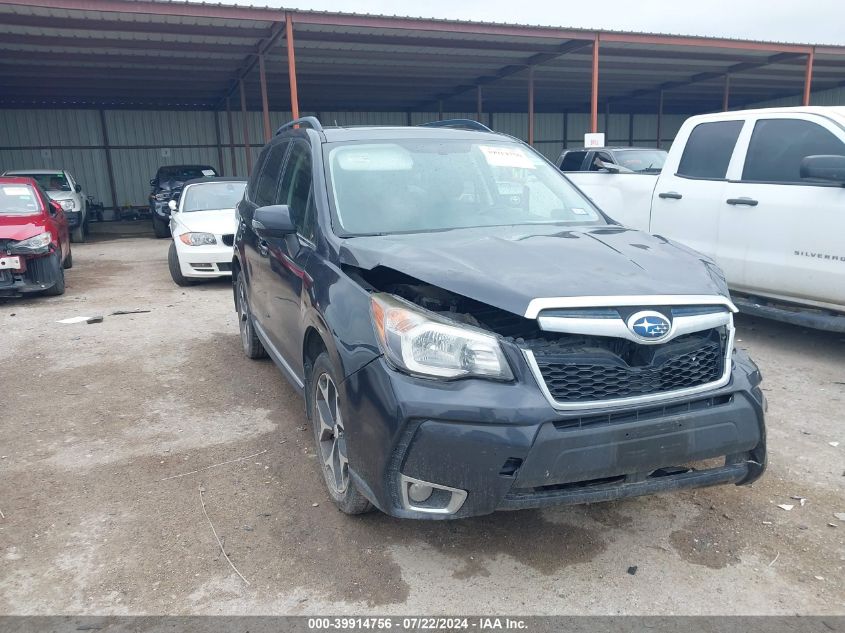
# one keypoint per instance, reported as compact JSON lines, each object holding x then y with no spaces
{"x":325,"y":408}
{"x":68,"y":263}
{"x":161,"y":229}
{"x":78,"y":234}
{"x":249,"y":339}
{"x":57,"y":288}
{"x":175,"y":270}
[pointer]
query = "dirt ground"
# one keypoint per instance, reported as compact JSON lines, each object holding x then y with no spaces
{"x":101,"y":423}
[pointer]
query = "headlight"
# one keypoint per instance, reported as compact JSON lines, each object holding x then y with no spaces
{"x":164,"y":196}
{"x":67,"y":205}
{"x":32,"y":245}
{"x":198,"y":239}
{"x":422,"y":343}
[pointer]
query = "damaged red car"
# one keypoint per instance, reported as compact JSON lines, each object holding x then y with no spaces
{"x":34,"y":240}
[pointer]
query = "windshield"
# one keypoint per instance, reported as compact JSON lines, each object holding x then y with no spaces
{"x":213,"y":195}
{"x":642,"y":160}
{"x":18,"y":200}
{"x":49,"y":182}
{"x":184,"y":174}
{"x":409,"y":186}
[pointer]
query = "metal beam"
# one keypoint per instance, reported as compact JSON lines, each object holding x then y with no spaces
{"x":594,"y":91}
{"x":294,"y":95}
{"x":245,"y":125}
{"x":174,"y":45}
{"x":231,"y":138}
{"x":808,"y":77}
{"x":531,"y":105}
{"x":109,"y":164}
{"x":265,"y":108}
{"x":153,"y":7}
{"x":726,"y":98}
{"x":478,"y":103}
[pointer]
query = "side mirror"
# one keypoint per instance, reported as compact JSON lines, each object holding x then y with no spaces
{"x":273,"y":221}
{"x":78,"y":188}
{"x":172,"y":205}
{"x":826,"y":168}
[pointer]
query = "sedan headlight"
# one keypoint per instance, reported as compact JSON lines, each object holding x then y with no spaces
{"x":423,"y":343}
{"x":198,"y":239}
{"x":32,"y":245}
{"x":67,"y":205}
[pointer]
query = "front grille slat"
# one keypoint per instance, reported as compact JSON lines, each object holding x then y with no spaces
{"x":596,"y":369}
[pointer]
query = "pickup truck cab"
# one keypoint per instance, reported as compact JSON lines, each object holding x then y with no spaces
{"x":762,"y":192}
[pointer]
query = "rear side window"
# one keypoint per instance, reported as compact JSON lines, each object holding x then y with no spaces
{"x":709,"y":149}
{"x":271,"y":172}
{"x":572,"y":161}
{"x":778,"y":146}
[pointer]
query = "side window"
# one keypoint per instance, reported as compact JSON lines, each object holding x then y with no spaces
{"x":268,"y":178}
{"x":603,"y":157}
{"x":296,"y":189}
{"x":709,"y":149}
{"x":778,"y":146}
{"x":572,"y":161}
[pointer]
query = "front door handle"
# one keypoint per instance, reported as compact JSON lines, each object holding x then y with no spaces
{"x":263,"y":248}
{"x":672,"y":195}
{"x":748,"y":202}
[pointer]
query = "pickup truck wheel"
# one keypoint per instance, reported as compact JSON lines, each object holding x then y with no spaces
{"x":78,"y":234}
{"x":175,"y":269}
{"x":57,"y":288}
{"x":249,"y":339}
{"x":160,"y":228}
{"x":328,"y":421}
{"x":68,"y":263}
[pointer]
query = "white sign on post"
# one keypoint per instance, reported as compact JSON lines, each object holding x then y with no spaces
{"x":594,"y":140}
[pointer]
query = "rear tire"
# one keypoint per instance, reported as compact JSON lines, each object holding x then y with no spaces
{"x":68,"y":263}
{"x":161,"y":229}
{"x":176,"y":270}
{"x":249,"y":339}
{"x":57,"y":288}
{"x":325,"y":407}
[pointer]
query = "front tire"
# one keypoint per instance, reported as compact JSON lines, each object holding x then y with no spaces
{"x":161,"y":229}
{"x":78,"y":234}
{"x":175,"y":269}
{"x":57,"y":288}
{"x":249,"y":339}
{"x":326,"y":411}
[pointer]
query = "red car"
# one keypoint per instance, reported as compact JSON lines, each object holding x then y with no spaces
{"x":34,"y":240}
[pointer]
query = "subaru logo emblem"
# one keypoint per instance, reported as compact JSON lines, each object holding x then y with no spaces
{"x":649,"y":326}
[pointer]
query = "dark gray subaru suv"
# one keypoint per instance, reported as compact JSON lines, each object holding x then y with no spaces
{"x":470,"y":333}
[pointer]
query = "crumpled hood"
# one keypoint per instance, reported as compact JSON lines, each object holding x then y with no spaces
{"x":507,"y":267}
{"x":20,"y":227}
{"x":219,"y":222}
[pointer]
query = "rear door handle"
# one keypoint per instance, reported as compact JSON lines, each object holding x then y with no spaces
{"x":748,"y":202}
{"x":672,"y":195}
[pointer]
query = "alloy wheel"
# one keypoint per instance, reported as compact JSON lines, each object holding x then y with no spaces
{"x":330,"y":436}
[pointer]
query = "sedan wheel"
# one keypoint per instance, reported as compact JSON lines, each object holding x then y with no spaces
{"x":330,"y":435}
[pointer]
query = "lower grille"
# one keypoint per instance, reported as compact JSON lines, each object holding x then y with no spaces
{"x":584,"y":373}
{"x":229,"y":239}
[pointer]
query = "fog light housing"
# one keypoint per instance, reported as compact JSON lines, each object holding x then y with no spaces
{"x":424,"y":496}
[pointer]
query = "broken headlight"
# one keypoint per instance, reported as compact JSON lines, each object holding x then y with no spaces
{"x":68,"y":205}
{"x":198,"y":239}
{"x":32,"y":245}
{"x":423,"y":343}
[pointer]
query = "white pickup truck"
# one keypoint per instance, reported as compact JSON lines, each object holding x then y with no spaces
{"x":762,"y":192}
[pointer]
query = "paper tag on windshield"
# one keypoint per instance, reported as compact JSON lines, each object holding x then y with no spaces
{"x":579,"y":211}
{"x":501,"y":156}
{"x":16,"y":191}
{"x":208,"y":172}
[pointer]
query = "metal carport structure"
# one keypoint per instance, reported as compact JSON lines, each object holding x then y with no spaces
{"x":108,"y":55}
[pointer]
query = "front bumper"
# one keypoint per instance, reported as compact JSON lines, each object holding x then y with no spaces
{"x":507,"y":448}
{"x":205,"y":261}
{"x":74,"y":218}
{"x":159,"y":210}
{"x":38,"y":274}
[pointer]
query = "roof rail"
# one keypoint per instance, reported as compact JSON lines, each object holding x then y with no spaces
{"x":460,"y":124}
{"x":311,"y":121}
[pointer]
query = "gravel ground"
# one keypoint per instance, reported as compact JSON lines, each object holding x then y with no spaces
{"x":101,"y":425}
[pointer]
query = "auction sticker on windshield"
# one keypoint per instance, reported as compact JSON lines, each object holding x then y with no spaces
{"x":500,"y":156}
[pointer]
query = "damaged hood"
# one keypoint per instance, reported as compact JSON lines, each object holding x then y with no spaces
{"x":508,"y":266}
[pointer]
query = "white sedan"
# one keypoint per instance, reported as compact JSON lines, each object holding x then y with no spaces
{"x":203,"y":227}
